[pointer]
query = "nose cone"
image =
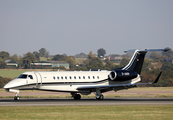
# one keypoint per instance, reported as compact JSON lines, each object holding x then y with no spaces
{"x":7,"y":86}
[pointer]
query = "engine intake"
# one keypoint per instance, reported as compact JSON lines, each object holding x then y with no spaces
{"x":112,"y":75}
{"x":122,"y":75}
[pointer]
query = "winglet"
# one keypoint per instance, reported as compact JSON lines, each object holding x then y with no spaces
{"x":157,"y":79}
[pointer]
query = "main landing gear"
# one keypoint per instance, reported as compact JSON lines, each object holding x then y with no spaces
{"x":76,"y":96}
{"x":99,"y":95}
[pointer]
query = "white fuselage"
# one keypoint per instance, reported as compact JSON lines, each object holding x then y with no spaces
{"x":67,"y":81}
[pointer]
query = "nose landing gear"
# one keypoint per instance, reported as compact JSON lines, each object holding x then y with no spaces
{"x":16,"y":92}
{"x":16,"y":98}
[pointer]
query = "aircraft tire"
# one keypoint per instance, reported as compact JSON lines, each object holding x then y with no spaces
{"x":101,"y":97}
{"x":77,"y":97}
{"x":16,"y":98}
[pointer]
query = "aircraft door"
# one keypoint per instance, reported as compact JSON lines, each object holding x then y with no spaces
{"x":38,"y":79}
{"x":29,"y":79}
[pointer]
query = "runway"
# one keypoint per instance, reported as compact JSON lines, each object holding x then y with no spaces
{"x":87,"y":101}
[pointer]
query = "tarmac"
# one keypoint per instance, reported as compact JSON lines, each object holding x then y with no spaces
{"x":86,"y":101}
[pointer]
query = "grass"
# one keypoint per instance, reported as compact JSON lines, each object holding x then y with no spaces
{"x":10,"y":73}
{"x":151,"y":89}
{"x":13,"y":73}
{"x":130,"y":112}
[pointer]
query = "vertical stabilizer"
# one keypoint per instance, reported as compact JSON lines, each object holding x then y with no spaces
{"x":137,"y":60}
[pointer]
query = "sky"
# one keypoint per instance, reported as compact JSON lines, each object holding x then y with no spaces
{"x":74,"y":26}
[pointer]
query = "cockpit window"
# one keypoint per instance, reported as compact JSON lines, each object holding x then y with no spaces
{"x":30,"y":76}
{"x":23,"y":76}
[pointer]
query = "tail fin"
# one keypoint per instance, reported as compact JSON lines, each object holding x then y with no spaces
{"x":137,"y":60}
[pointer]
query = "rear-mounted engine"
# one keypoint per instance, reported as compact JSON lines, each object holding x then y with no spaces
{"x":122,"y":75}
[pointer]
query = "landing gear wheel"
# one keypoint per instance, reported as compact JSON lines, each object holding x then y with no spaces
{"x":101,"y":97}
{"x":16,"y":98}
{"x":77,"y":97}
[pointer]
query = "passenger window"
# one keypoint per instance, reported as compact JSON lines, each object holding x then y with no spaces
{"x":70,"y":77}
{"x":54,"y":78}
{"x":83,"y":77}
{"x":88,"y":77}
{"x":74,"y":77}
{"x":65,"y":77}
{"x":93,"y":77}
{"x":61,"y":77}
{"x":79,"y":77}
{"x":97,"y":77}
{"x":58,"y":77}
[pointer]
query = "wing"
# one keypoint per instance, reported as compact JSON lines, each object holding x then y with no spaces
{"x":109,"y":86}
{"x":125,"y":86}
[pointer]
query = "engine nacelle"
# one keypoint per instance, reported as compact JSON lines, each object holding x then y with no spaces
{"x":122,"y":75}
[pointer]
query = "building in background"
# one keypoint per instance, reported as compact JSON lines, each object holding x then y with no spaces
{"x":49,"y":64}
{"x":11,"y":64}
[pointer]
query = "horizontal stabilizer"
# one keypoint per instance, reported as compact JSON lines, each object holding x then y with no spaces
{"x":146,"y":50}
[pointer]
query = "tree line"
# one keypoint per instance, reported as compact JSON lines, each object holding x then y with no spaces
{"x":24,"y":62}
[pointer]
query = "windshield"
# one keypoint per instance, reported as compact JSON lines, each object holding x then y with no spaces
{"x":23,"y":76}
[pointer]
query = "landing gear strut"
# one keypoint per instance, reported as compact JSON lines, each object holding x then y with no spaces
{"x":99,"y":95}
{"x":16,"y":92}
{"x":76,"y":96}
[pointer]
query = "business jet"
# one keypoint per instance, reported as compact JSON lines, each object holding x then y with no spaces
{"x":84,"y":82}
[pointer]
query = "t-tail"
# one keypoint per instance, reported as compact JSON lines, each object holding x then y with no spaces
{"x":133,"y":69}
{"x":137,"y":60}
